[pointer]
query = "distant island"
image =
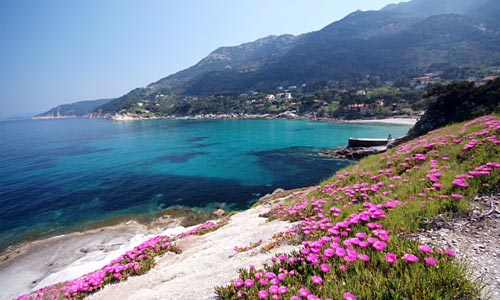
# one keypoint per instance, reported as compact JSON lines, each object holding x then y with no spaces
{"x":74,"y":110}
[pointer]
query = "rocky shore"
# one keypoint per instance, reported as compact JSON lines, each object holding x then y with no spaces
{"x":34,"y":265}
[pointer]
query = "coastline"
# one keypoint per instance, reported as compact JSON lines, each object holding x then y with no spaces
{"x":36,"y":264}
{"x":39,"y":263}
{"x":402,"y":120}
{"x":42,"y":262}
{"x":33,"y":264}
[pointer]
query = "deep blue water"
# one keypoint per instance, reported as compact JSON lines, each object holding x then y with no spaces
{"x":62,"y":175}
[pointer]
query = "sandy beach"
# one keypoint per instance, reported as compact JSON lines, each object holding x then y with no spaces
{"x":398,"y":121}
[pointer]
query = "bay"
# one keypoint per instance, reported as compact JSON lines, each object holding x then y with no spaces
{"x":58,"y":176}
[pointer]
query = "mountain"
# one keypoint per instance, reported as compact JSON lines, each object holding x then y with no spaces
{"x":76,"y":109}
{"x":405,"y":39}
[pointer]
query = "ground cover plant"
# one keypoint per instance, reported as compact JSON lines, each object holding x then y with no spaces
{"x":354,"y":227}
{"x":137,"y":261}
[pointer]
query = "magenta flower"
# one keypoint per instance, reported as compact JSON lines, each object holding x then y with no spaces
{"x":329,"y":252}
{"x":410,"y":257}
{"x":451,"y":253}
{"x":343,"y":267}
{"x":304,"y":292}
{"x":460,"y":183}
{"x":249,"y":283}
{"x":325,"y":268}
{"x":238,"y":283}
{"x":456,"y":196}
{"x":273,"y":289}
{"x":391,"y":258}
{"x":349,"y":296}
{"x":437,"y":185}
{"x":431,"y":261}
{"x":425,"y":249}
{"x":363,"y":257}
{"x":282,"y":289}
{"x":295,"y":298}
{"x":379,"y":245}
{"x":316,"y":280}
{"x":263,"y":294}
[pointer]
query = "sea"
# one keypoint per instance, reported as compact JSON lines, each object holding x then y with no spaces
{"x":59,"y":176}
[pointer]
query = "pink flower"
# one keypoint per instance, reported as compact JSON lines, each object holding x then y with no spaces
{"x":273,"y":289}
{"x":451,"y":253}
{"x":363,"y":257}
{"x":456,"y":196}
{"x":460,"y":182}
{"x":238,"y":283}
{"x":425,"y":249}
{"x":316,"y":280}
{"x":343,"y":267}
{"x":349,"y":296}
{"x":350,"y":258}
{"x":295,"y":298}
{"x":379,"y":245}
{"x":391,"y":258}
{"x":410,"y":257}
{"x":249,"y":283}
{"x":263,"y":295}
{"x":329,"y":252}
{"x":282,"y":289}
{"x":431,"y":261}
{"x":325,"y":268}
{"x":437,"y":185}
{"x":304,"y":292}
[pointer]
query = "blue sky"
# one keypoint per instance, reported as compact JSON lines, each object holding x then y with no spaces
{"x":58,"y":51}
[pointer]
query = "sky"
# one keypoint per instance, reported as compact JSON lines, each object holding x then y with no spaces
{"x":58,"y":51}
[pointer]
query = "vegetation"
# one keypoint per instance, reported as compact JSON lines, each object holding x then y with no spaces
{"x":457,"y":102}
{"x":355,"y":228}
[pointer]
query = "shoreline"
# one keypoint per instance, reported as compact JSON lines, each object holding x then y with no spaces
{"x":35,"y":264}
{"x":396,"y":121}
{"x":402,"y":120}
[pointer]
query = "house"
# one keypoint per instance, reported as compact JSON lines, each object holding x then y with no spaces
{"x":361,"y":93}
{"x":270,"y":97}
{"x":284,"y":96}
{"x":485,"y":80}
{"x":361,"y":107}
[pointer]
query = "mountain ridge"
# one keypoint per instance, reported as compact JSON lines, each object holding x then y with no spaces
{"x":405,"y":39}
{"x":72,"y":110}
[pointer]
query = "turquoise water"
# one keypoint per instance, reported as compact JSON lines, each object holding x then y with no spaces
{"x":62,"y":175}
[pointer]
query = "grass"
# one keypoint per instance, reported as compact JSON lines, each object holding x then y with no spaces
{"x":353,"y":226}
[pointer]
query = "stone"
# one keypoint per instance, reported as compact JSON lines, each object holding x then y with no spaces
{"x":218,"y":213}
